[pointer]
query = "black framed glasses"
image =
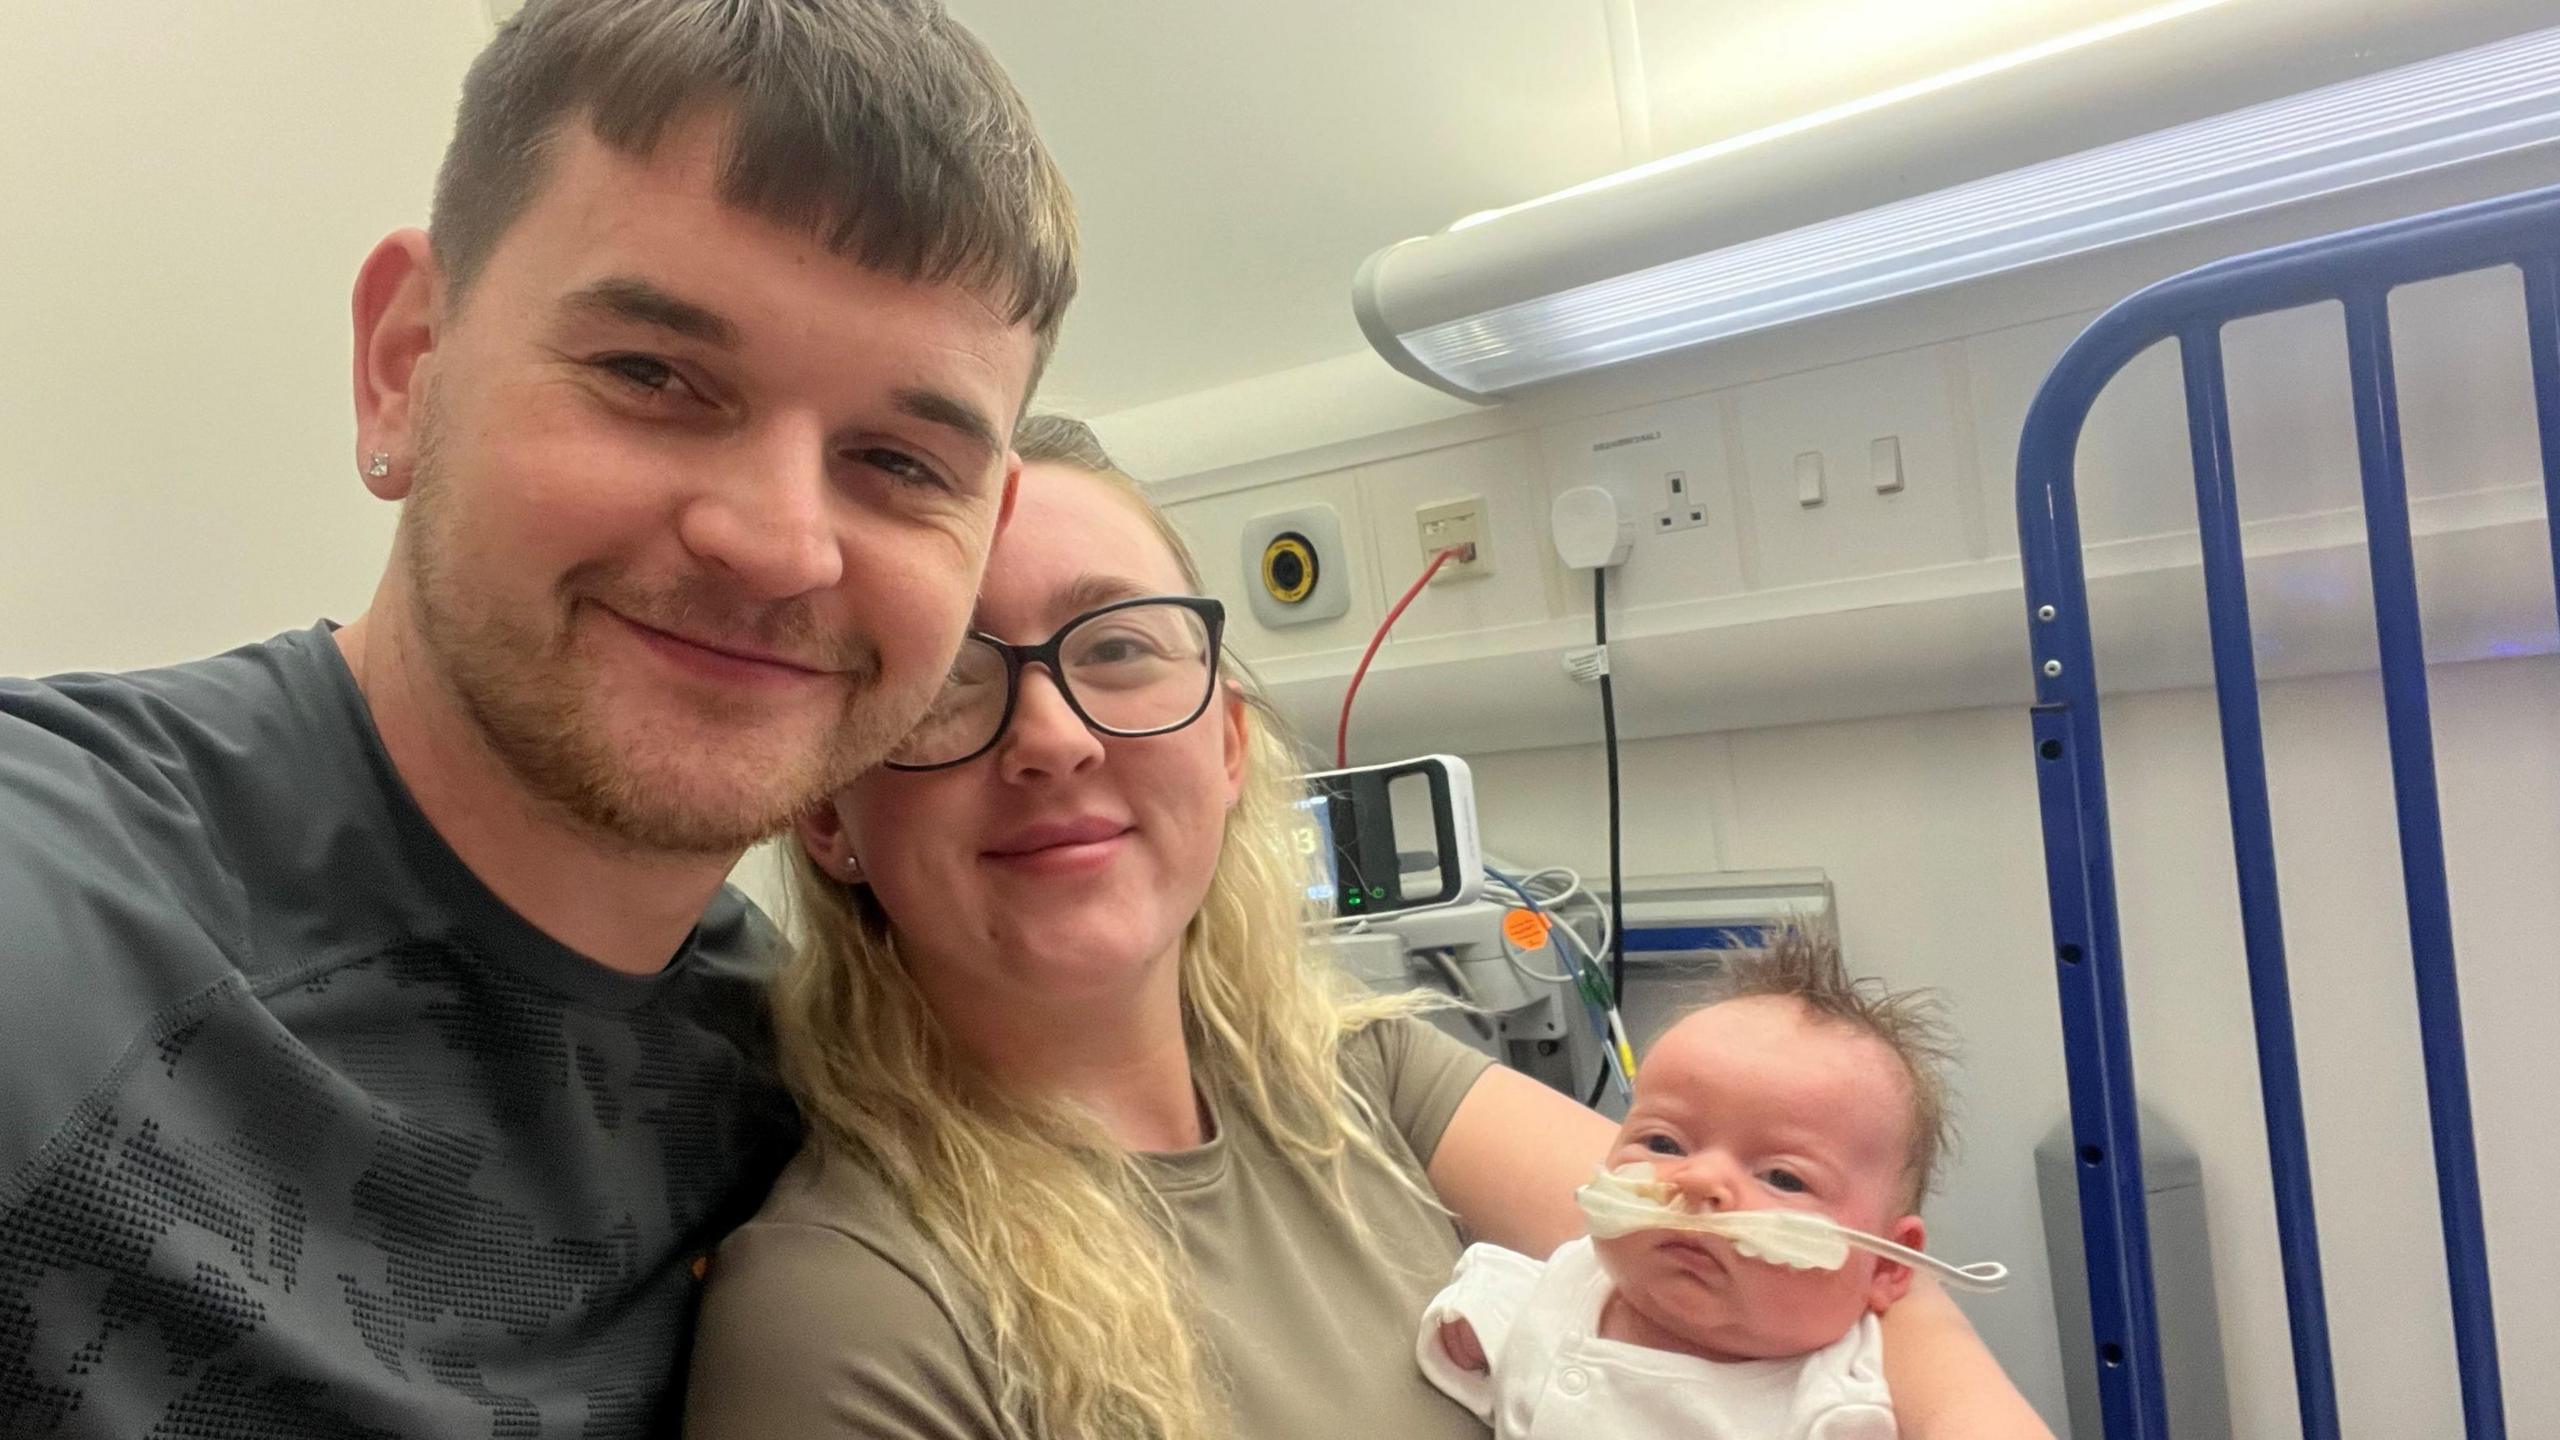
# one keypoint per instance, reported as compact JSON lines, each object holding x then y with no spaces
{"x":1130,"y":668}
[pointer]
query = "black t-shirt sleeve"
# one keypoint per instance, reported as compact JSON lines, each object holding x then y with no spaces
{"x":115,"y":923}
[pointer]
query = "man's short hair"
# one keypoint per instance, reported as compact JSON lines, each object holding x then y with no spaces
{"x":1802,"y":962}
{"x":881,"y":127}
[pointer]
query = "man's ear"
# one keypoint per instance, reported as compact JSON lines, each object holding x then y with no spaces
{"x":823,"y":834}
{"x":1892,"y":1279}
{"x":1011,"y":490}
{"x":397,"y":306}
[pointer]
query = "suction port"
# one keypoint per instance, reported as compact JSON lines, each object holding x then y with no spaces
{"x":1289,"y":568}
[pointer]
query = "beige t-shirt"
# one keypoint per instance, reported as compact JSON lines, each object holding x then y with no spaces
{"x":821,"y":1317}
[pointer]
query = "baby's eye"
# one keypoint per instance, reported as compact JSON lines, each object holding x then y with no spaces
{"x":1786,"y":1180}
{"x":1663,"y":1145}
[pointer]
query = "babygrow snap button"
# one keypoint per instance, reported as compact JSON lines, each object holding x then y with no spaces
{"x":1573,"y":1381}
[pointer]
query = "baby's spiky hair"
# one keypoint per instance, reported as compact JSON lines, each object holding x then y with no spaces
{"x":1801,"y":961}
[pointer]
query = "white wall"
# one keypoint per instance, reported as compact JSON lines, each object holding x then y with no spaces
{"x":1928,"y":826}
{"x":1772,"y":613}
{"x":185,"y":192}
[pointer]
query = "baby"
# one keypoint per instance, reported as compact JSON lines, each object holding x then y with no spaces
{"x":1796,"y":1089}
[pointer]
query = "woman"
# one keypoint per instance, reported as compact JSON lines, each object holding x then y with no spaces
{"x":1100,"y":1147}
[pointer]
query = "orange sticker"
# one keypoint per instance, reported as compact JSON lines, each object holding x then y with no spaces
{"x":1526,"y":929}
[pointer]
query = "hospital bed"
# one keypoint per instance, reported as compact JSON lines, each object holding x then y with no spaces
{"x":2357,"y":270}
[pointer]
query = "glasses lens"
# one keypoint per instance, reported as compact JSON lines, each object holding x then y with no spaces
{"x":964,"y":716}
{"x":1141,"y":667}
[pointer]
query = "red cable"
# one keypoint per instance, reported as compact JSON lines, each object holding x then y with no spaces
{"x":1342,"y":735}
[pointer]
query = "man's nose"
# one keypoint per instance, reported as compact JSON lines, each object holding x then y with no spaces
{"x":767,"y":523}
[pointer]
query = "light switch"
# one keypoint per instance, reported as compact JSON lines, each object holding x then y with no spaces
{"x":1884,"y":464}
{"x":1809,"y":479}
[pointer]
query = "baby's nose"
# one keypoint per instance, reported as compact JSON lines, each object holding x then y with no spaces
{"x":1708,"y":1182}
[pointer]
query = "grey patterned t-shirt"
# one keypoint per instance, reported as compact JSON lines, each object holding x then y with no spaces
{"x":302,"y":1131}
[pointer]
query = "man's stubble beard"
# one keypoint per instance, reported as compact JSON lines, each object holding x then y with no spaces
{"x":535,"y":694}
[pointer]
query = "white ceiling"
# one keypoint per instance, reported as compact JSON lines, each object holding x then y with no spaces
{"x":1235,"y":160}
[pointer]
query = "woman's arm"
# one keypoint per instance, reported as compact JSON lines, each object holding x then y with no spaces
{"x":1511,"y":1159}
{"x":1945,"y":1384}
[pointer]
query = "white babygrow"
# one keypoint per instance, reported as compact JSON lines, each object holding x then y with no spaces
{"x":1554,"y":1377}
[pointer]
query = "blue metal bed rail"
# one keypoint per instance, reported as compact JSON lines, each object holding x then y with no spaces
{"x":2357,"y":269}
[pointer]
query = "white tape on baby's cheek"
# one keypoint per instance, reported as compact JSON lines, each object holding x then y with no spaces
{"x":1630,"y":1198}
{"x":1624,"y":1200}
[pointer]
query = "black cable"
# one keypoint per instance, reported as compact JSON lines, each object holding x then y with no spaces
{"x":1609,"y":746}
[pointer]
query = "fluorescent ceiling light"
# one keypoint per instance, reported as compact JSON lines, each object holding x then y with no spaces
{"x":2456,"y":108}
{"x":1865,"y":104}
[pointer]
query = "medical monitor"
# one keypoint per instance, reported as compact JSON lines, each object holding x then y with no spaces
{"x":1378,"y":839}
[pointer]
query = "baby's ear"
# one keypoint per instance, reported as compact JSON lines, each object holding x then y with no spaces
{"x":1892,"y":1279}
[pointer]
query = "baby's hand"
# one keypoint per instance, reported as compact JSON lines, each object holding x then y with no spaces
{"x":1458,"y":1341}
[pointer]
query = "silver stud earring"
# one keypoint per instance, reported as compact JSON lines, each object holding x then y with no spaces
{"x":851,"y":865}
{"x":378,"y":466}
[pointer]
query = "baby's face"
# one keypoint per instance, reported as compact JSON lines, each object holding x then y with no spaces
{"x":1754,"y":1105}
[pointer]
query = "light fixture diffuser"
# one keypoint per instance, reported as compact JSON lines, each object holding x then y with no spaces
{"x":1423,"y":315}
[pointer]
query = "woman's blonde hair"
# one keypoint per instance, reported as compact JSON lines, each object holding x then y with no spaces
{"x":1091,"y":1324}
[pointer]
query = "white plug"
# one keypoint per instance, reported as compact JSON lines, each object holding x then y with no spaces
{"x":1590,"y":534}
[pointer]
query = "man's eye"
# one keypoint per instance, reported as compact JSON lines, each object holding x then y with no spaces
{"x":1663,"y":1145}
{"x":900,"y":466}
{"x":640,"y":371}
{"x":1786,"y":1180}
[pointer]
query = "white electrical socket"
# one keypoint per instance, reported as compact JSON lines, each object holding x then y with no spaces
{"x":1455,"y":524}
{"x":1681,"y":507}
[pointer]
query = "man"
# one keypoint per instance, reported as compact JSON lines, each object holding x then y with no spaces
{"x":380,"y":1039}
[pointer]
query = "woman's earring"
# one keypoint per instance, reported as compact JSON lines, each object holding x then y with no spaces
{"x":850,"y":867}
{"x":378,"y":465}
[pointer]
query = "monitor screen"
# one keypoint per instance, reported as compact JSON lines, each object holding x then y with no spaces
{"x":1311,"y":832}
